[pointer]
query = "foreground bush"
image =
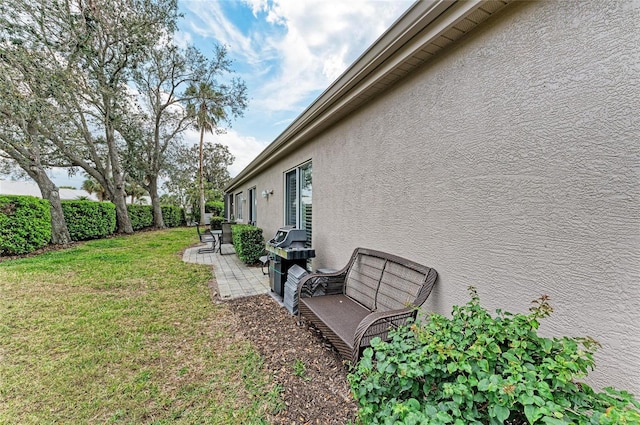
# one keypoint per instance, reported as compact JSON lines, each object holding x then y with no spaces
{"x":477,"y":369}
{"x":25,"y":224}
{"x":89,"y":219}
{"x":248,"y":242}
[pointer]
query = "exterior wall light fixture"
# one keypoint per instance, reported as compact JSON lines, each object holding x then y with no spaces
{"x":266,"y":193}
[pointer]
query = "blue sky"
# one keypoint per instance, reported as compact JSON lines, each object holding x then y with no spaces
{"x":287,"y":51}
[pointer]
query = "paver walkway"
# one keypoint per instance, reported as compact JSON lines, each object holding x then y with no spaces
{"x":234,"y":278}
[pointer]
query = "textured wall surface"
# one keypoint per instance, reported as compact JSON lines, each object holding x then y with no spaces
{"x":510,"y":162}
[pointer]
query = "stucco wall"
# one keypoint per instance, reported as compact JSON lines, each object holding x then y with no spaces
{"x":510,"y":162}
{"x":271,"y":209}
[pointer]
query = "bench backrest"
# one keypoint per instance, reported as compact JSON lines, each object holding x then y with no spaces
{"x":381,"y":281}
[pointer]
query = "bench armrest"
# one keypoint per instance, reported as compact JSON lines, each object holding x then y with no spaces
{"x":378,"y":324}
{"x":322,"y":284}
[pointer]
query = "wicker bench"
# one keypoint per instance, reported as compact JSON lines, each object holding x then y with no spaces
{"x":376,"y":291}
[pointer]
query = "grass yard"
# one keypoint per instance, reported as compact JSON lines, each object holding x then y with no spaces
{"x":122,"y":331}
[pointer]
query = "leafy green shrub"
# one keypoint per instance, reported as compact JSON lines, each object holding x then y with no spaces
{"x":248,"y":242}
{"x":477,"y":369}
{"x":216,"y":208}
{"x":89,"y":219}
{"x":172,"y":215}
{"x":141,"y":216}
{"x":25,"y":224}
{"x":216,"y":222}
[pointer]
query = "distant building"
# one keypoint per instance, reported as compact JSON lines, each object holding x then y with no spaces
{"x":8,"y":187}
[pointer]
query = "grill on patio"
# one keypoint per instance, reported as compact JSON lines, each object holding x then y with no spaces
{"x":287,"y":248}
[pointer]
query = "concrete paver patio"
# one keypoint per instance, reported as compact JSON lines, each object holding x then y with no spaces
{"x":234,"y":278}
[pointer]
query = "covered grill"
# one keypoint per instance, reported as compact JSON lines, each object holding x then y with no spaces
{"x":287,"y":248}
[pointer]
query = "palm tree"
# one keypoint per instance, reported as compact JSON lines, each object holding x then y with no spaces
{"x":91,"y":186}
{"x":135,"y":191}
{"x":205,"y":106}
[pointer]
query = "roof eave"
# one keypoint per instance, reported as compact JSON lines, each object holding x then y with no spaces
{"x":423,"y":30}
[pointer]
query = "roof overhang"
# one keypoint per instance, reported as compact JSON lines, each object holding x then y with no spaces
{"x":419,"y":34}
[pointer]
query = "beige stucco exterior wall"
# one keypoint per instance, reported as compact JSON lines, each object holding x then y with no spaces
{"x":510,"y":162}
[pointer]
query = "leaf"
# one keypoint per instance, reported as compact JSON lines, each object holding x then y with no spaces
{"x":430,"y":410}
{"x":444,"y":417}
{"x":501,"y":412}
{"x":510,"y":356}
{"x":483,"y":385}
{"x":412,"y":404}
{"x":391,"y":368}
{"x":525,"y":399}
{"x":553,"y":421}
{"x":382,"y":366}
{"x":532,"y":413}
{"x":483,"y":365}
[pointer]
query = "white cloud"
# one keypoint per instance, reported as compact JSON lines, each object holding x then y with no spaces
{"x":288,"y":54}
{"x":212,"y":24}
{"x":243,"y":148}
{"x":322,"y":39}
{"x":311,"y":41}
{"x":183,"y":39}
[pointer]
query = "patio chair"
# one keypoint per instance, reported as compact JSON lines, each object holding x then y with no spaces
{"x":226,"y":238}
{"x":206,"y":237}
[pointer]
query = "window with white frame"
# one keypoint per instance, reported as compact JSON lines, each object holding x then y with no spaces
{"x":239,"y":206}
{"x":253,"y":206}
{"x":298,"y":210}
{"x":230,"y":208}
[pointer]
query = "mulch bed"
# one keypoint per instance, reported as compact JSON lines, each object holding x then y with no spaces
{"x":319,"y":394}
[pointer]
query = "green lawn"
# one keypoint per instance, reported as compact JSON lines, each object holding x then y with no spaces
{"x":122,"y":331}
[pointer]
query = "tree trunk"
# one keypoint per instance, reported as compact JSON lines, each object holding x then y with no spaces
{"x":158,"y":220}
{"x":59,"y":230}
{"x":123,"y":222}
{"x":119,"y":197}
{"x":201,"y":177}
{"x":29,"y":160}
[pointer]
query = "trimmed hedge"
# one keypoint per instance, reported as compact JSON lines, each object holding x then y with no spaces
{"x":25,"y":224}
{"x":248,"y":242}
{"x":172,"y":215}
{"x":141,"y":216}
{"x":215,"y":222}
{"x":89,"y":219}
{"x":25,"y":221}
